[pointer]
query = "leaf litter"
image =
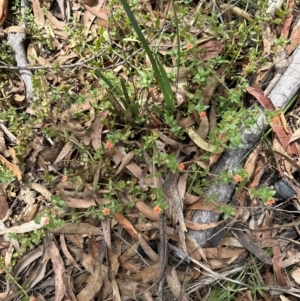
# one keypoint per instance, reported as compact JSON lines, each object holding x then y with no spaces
{"x":93,"y":259}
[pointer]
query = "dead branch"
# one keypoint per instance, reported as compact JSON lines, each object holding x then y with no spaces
{"x":16,"y":40}
{"x":285,"y":89}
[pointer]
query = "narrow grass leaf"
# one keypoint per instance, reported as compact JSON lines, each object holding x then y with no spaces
{"x":158,"y":69}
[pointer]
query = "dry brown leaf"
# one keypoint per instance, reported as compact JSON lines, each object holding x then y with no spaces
{"x":3,"y":148}
{"x":129,"y":253}
{"x":151,"y":254}
{"x":258,"y":172}
{"x":62,"y":59}
{"x":84,"y":229}
{"x":174,"y":283}
{"x":135,"y":170}
{"x":97,"y":129}
{"x":105,"y":223}
{"x":8,"y":255}
{"x":285,"y":30}
{"x":3,"y":11}
{"x":69,"y":287}
{"x":282,"y":297}
{"x":203,"y":129}
{"x":87,"y":2}
{"x":41,"y":189}
{"x":174,"y":201}
{"x":168,"y":140}
{"x":194,"y":250}
{"x":106,"y":290}
{"x":4,"y":209}
{"x":294,"y":39}
{"x":231,"y":242}
{"x":50,"y":154}
{"x":209,"y":49}
{"x":130,"y":267}
{"x":218,"y":264}
{"x":126,"y":224}
{"x":296,"y":275}
{"x":146,"y":275}
{"x":190,"y":199}
{"x":25,"y":227}
{"x":77,"y":108}
{"x":283,"y":137}
{"x":295,"y":136}
{"x":78,"y":203}
{"x":182,"y":182}
{"x":29,"y":198}
{"x":223,"y":253}
{"x":261,"y":98}
{"x":93,"y":265}
{"x":12,"y":167}
{"x":128,"y":288}
{"x":278,"y":124}
{"x":236,"y":11}
{"x":6,"y":294}
{"x":115,"y":288}
{"x":66,"y":252}
{"x":277,"y":265}
{"x":201,"y":204}
{"x":212,"y":83}
{"x":250,"y":164}
{"x":59,"y":269}
{"x":291,"y":260}
{"x":64,"y":152}
{"x":38,"y":272}
{"x":76,"y":240}
{"x":88,"y":17}
{"x":147,"y":211}
{"x":27,"y":259}
{"x":114,"y":256}
{"x":201,"y":227}
{"x":186,"y":122}
{"x":39,"y":18}
{"x":125,"y":161}
{"x":101,"y":14}
{"x":54,"y":22}
{"x":269,"y":36}
{"x":278,"y":158}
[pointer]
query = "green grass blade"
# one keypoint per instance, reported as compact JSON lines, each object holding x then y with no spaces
{"x":126,"y":101}
{"x":158,"y":69}
{"x":118,"y":108}
{"x":103,"y":78}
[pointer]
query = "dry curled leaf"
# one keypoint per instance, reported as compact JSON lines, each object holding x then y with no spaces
{"x":3,"y":11}
{"x":15,"y":169}
{"x":203,"y":144}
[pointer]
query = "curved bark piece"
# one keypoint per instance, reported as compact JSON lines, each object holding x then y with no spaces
{"x":281,"y":95}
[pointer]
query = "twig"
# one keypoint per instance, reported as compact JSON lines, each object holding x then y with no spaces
{"x":66,"y":66}
{"x":162,"y":256}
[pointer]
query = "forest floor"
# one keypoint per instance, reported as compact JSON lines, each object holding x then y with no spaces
{"x":105,"y":162}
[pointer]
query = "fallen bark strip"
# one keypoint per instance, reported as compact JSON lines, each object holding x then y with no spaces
{"x":281,"y":95}
{"x":16,"y":39}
